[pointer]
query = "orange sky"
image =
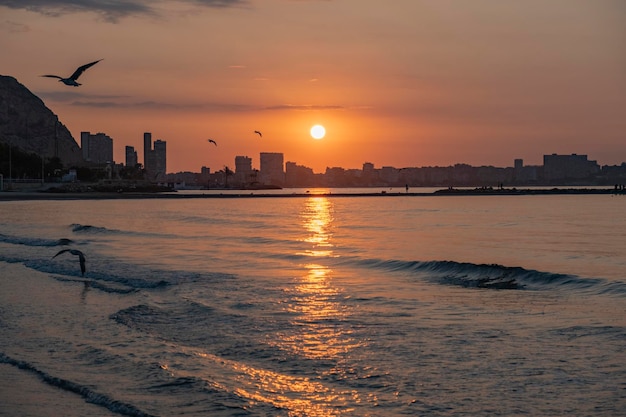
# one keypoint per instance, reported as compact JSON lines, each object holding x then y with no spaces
{"x":402,"y":83}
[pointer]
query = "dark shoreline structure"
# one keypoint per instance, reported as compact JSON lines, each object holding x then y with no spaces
{"x":449,"y":192}
{"x":528,"y":191}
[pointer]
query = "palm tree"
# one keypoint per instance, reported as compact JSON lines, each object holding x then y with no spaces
{"x":227,"y":173}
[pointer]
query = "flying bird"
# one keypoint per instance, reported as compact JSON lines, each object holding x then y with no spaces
{"x":71,"y":80}
{"x":258,"y":133}
{"x":81,"y":258}
{"x":213,"y":142}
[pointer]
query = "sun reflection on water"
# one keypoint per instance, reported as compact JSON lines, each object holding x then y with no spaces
{"x":319,"y":328}
{"x":318,"y":338}
{"x":317,"y":219}
{"x":299,"y":396}
{"x":316,"y":344}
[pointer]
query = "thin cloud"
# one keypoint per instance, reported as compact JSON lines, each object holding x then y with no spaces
{"x":110,"y":10}
{"x":152,"y":105}
{"x":122,"y":102}
{"x":98,"y":104}
{"x":303,"y":107}
{"x":118,"y":102}
{"x":157,"y":105}
{"x":65,"y":96}
{"x":219,"y":3}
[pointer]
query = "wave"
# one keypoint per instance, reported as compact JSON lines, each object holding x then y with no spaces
{"x":495,"y":276}
{"x":99,"y":230}
{"x":63,"y":268}
{"x":471,"y":275}
{"x":91,"y":229}
{"x":66,"y":269}
{"x":97,"y":285}
{"x":30,"y":241}
{"x":87,"y":393}
{"x":445,"y":272}
{"x":79,"y":229}
{"x":124,"y":277}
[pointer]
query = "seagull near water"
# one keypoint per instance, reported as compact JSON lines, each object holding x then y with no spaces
{"x":71,"y":80}
{"x":212,"y":141}
{"x":81,"y":258}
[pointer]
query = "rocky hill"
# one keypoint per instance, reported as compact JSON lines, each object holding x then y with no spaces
{"x":26,"y":122}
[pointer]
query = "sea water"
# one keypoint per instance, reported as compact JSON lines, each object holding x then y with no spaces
{"x":315,"y":306}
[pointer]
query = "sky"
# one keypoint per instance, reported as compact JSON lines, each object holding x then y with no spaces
{"x":403,"y":83}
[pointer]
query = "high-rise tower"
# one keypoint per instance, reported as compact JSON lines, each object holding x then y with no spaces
{"x":154,"y":160}
{"x":96,"y":148}
{"x":272,"y":172}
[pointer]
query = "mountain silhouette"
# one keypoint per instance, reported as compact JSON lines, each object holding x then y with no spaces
{"x":26,"y":123}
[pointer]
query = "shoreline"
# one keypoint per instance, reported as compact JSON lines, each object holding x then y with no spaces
{"x":100,"y":195}
{"x":31,"y":391}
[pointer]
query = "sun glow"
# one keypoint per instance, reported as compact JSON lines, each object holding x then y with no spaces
{"x":318,"y":132}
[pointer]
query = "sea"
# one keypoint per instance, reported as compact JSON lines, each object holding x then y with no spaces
{"x":324,"y":304}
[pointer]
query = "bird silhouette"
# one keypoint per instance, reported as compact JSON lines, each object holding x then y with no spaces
{"x":71,"y":80}
{"x":81,"y":258}
{"x":213,"y":142}
{"x":258,"y":133}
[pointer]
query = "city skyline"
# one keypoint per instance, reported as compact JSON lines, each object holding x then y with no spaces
{"x":246,"y":163}
{"x":574,"y":169}
{"x":417,"y":83}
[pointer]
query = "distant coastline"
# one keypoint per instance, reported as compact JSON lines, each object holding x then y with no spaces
{"x":336,"y":192}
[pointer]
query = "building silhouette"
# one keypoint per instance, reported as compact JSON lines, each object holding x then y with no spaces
{"x":131,"y":157}
{"x":561,"y":170}
{"x":271,"y":170}
{"x":525,"y":174}
{"x":155,"y":160}
{"x":205,"y":175}
{"x":296,"y":175}
{"x":243,"y":170}
{"x":568,"y":167}
{"x":97,"y":149}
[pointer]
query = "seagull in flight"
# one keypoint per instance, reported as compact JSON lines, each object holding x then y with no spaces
{"x":213,"y":142}
{"x":81,"y":258}
{"x":258,"y":133}
{"x":71,"y":80}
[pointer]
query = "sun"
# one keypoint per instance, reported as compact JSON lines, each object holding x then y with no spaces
{"x":318,"y":132}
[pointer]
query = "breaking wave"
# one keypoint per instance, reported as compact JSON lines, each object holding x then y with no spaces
{"x":87,"y":393}
{"x":29,"y":241}
{"x":88,"y":229}
{"x":495,"y":276}
{"x":113,"y":275}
